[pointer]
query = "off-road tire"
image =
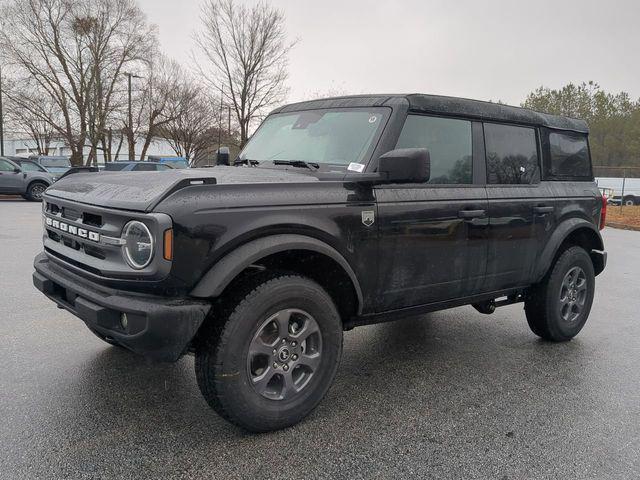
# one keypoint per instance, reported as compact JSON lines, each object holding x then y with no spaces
{"x":222,"y":351}
{"x":543,"y":304}
{"x":35,"y":190}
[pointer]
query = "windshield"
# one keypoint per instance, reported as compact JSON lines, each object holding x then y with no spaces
{"x":114,"y":167}
{"x":55,"y":162}
{"x":331,"y":136}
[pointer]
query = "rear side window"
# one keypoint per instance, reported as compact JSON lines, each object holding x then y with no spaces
{"x":568,"y":155}
{"x":449,"y":143}
{"x":512,"y":154}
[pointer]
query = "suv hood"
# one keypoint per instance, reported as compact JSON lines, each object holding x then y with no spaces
{"x":141,"y":191}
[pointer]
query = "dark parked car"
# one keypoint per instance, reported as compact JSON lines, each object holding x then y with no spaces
{"x":27,"y":179}
{"x":340,"y":212}
{"x":132,"y":166}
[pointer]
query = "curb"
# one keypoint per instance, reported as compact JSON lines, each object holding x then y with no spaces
{"x":622,"y":226}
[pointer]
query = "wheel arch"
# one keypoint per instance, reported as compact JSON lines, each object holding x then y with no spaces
{"x":38,"y":180}
{"x":291,"y":252}
{"x":574,"y":231}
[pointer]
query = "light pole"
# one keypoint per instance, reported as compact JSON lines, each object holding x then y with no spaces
{"x":1,"y":119}
{"x":132,"y":145}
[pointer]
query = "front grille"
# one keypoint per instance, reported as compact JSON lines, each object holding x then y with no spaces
{"x":94,"y":252}
{"x":71,"y":214}
{"x":92,"y":219}
{"x":73,"y":262}
{"x":87,"y":237}
{"x":88,"y":253}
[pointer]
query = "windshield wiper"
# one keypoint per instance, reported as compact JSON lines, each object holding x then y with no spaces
{"x":245,"y":161}
{"x":298,"y":163}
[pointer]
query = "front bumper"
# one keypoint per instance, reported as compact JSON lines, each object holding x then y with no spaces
{"x":157,"y":327}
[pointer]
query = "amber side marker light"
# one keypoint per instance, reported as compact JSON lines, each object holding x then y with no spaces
{"x":168,"y":244}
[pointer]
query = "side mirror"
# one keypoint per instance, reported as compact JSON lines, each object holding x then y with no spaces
{"x":405,"y":165}
{"x":222,"y":157}
{"x":17,"y":170}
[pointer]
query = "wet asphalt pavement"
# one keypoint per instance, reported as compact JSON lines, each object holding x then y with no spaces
{"x":453,"y":394}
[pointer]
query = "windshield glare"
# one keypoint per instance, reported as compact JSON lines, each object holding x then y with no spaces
{"x":331,"y":136}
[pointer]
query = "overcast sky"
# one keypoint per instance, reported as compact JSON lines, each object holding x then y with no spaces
{"x":487,"y":50}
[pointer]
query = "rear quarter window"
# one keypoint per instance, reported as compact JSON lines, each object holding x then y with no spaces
{"x":568,"y":156}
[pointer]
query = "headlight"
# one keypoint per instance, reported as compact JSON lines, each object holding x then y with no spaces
{"x":138,"y":247}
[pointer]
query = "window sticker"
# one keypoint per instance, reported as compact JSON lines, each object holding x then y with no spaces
{"x":356,"y":167}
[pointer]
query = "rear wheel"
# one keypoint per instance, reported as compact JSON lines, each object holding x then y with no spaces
{"x":272,"y":355}
{"x":559,"y":306}
{"x":35,"y":191}
{"x":629,"y":201}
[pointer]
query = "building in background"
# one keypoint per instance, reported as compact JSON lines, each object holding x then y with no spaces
{"x":23,"y":146}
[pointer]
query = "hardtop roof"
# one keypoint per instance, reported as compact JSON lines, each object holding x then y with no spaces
{"x":443,"y":105}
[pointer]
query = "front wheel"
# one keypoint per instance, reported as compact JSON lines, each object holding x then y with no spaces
{"x":559,"y":306}
{"x":272,"y":355}
{"x":35,"y":191}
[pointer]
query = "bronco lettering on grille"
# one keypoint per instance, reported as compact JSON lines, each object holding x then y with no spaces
{"x":72,"y":229}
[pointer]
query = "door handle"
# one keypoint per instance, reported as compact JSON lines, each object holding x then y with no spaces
{"x":542,"y":210}
{"x":467,"y":214}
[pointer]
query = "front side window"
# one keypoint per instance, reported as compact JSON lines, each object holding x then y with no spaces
{"x":6,"y":166}
{"x":512,"y":154}
{"x":334,"y":137}
{"x":449,"y":143}
{"x":569,"y":155}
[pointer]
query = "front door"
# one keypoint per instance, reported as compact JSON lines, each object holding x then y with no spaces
{"x":432,"y":243}
{"x":10,"y":181}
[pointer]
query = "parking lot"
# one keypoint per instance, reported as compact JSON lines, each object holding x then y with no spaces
{"x":453,"y":394}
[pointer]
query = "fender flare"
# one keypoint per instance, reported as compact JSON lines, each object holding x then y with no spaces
{"x":213,"y":283}
{"x":560,"y":234}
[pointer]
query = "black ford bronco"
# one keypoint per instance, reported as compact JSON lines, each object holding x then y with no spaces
{"x":338,"y":213}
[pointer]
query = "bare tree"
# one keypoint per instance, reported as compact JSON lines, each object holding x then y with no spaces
{"x":164,"y":99}
{"x":74,"y":53}
{"x":191,"y":131}
{"x":247,"y":53}
{"x":23,"y":120}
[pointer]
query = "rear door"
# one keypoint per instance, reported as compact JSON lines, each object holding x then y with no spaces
{"x":433,"y":235}
{"x":521,"y":210}
{"x":10,"y":181}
